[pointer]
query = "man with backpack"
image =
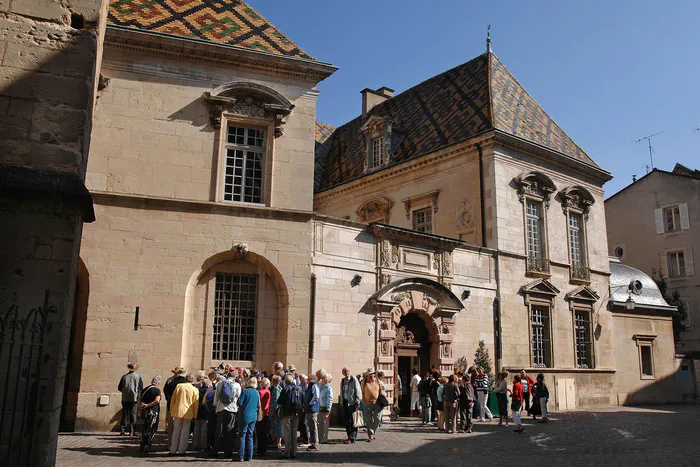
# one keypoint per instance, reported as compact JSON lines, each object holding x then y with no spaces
{"x":289,"y":406}
{"x":226,"y":401}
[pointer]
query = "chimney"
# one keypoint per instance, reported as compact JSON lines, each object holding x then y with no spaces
{"x":370,"y":98}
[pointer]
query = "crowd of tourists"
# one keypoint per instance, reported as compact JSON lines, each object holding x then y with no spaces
{"x":452,"y":402}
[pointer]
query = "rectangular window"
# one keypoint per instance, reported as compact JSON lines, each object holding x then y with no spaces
{"x":244,"y":164}
{"x":423,"y":220}
{"x":672,"y":218}
{"x":576,"y":239}
{"x":534,"y":229}
{"x":378,"y":151}
{"x":676,"y":264}
{"x":584,"y":354}
{"x":541,"y":337}
{"x":235,"y":306}
{"x":646,"y":360}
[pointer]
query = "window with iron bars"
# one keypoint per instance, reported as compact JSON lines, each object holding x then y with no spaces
{"x":541,"y":337}
{"x":244,"y":164}
{"x":582,"y":325}
{"x":534,"y":229}
{"x":235,"y":307}
{"x":576,"y":239}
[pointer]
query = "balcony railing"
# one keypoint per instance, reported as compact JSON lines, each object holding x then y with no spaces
{"x":580,"y":272}
{"x":538,"y":265}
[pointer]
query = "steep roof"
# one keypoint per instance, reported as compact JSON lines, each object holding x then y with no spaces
{"x":456,"y":105}
{"x":648,"y":297}
{"x":230,"y":22}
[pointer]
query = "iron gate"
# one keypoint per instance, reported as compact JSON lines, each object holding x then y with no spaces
{"x":22,"y":338}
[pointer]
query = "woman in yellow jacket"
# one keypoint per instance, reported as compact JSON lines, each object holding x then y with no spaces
{"x":183,"y":409}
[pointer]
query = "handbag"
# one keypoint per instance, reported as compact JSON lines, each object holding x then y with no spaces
{"x":358,"y":419}
{"x":260,"y":413}
{"x":382,"y":401}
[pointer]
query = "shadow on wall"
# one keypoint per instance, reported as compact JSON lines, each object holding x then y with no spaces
{"x":678,"y":387}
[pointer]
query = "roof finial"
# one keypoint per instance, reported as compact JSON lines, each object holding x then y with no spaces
{"x":488,"y":39}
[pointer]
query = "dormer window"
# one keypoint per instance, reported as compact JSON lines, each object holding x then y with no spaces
{"x":377,"y":132}
{"x":378,"y":153}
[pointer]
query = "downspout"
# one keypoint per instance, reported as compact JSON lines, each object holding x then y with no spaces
{"x":497,"y":327}
{"x":312,"y":322}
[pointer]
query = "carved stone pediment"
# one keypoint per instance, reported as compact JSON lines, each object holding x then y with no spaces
{"x":576,"y":197}
{"x":541,"y":288}
{"x":248,"y":99}
{"x":583,"y":294}
{"x":534,"y":184}
{"x":377,"y":208}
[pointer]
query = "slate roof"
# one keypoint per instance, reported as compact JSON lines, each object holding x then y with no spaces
{"x":231,"y":22}
{"x":456,"y":105}
{"x":649,"y":297}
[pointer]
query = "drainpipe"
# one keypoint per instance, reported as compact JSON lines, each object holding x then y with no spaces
{"x":312,"y":323}
{"x":481,"y":194}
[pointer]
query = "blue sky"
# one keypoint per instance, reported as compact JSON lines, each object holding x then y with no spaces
{"x":607,"y":72}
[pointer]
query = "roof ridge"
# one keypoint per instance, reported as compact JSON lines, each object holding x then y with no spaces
{"x":489,"y":76}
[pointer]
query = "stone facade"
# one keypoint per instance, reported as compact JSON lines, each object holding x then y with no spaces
{"x":48,"y":54}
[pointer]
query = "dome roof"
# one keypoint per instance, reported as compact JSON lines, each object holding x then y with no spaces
{"x":648,"y":297}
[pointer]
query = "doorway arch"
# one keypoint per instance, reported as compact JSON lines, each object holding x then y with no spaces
{"x":434,"y":303}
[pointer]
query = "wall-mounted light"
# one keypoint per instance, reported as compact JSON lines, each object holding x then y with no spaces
{"x":629,"y":303}
{"x":466,"y":294}
{"x":356,"y":280}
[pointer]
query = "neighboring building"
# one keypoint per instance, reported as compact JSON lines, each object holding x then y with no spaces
{"x":48,"y":53}
{"x":231,"y":226}
{"x":654,"y":225}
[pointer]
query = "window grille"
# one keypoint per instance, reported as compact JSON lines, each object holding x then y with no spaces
{"x":423,"y":220}
{"x":646,"y":360}
{"x":244,"y":164}
{"x":576,"y":239}
{"x":534,"y":229}
{"x":583,"y":339}
{"x":378,"y":158}
{"x":235,"y":306}
{"x":541,"y":341}
{"x":676,"y":264}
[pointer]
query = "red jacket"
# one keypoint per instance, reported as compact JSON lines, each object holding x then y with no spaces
{"x":517,"y":392}
{"x":530,"y":383}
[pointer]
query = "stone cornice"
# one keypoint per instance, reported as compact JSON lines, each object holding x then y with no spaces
{"x":411,"y":236}
{"x":230,"y":56}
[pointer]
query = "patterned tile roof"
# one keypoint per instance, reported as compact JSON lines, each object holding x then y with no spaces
{"x":456,"y":105}
{"x":231,"y":22}
{"x":323,"y":131}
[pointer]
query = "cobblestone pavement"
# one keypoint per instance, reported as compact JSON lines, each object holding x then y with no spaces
{"x":667,"y":435}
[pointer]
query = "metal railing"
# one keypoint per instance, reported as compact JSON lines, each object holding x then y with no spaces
{"x":537,"y":265}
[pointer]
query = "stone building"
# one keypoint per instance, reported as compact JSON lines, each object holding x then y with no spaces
{"x":231,"y":226}
{"x":652,"y":225}
{"x":48,"y":56}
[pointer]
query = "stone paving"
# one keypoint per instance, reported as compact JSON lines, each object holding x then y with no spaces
{"x":666,"y":435}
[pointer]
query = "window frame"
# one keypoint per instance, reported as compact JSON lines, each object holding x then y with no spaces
{"x":590,"y":344}
{"x":675,"y":210}
{"x":262,"y":124}
{"x":548,"y":346}
{"x":669,"y":261}
{"x":232,"y":335}
{"x":544,"y":237}
{"x":427,"y":209}
{"x":377,"y":150}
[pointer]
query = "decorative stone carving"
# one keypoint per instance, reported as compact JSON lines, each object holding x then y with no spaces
{"x":404,"y":336}
{"x":384,"y":326}
{"x":427,"y":301}
{"x":376,"y":209}
{"x":385,"y":279}
{"x":446,"y":350}
{"x":395,"y":254}
{"x":445,"y":329}
{"x":384,"y":348}
{"x":576,"y":197}
{"x":535,"y":184}
{"x":240,"y":250}
{"x":446,"y":263}
{"x":385,"y":256}
{"x":435,"y":201}
{"x":466,"y":216}
{"x":436,"y":261}
{"x":400,"y":297}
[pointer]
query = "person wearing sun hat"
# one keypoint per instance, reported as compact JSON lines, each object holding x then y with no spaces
{"x":130,"y":385}
{"x":370,"y":393}
{"x":178,"y":377}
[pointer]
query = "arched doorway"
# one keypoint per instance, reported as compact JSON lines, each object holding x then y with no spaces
{"x":412,"y":352}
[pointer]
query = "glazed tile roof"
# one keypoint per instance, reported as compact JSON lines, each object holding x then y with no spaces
{"x":323,"y":131}
{"x":456,"y":105}
{"x":231,"y":22}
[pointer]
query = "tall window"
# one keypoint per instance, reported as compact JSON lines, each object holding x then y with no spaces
{"x":244,"y":164}
{"x":541,"y":337}
{"x":235,"y":305}
{"x":672,"y":217}
{"x":676,"y":264}
{"x":646,"y":360}
{"x":534,"y":229}
{"x":576,"y":238}
{"x":378,"y":158}
{"x":582,"y":325}
{"x":423,"y":220}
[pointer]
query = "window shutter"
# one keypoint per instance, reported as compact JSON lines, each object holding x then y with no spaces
{"x":664,"y":265}
{"x":688,"y":256}
{"x":685,"y":221}
{"x":659,"y":216}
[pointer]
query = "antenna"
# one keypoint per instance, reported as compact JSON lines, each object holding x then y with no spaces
{"x":651,"y":151}
{"x":696,"y":129}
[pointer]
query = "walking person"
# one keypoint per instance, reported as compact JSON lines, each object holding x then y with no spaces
{"x":466,"y":404}
{"x":248,"y":406}
{"x":277,"y":429}
{"x":440,"y":406}
{"x":501,"y":391}
{"x":226,"y":401}
{"x":415,"y":395}
{"x":178,"y":377}
{"x":351,"y":395}
{"x":516,"y":403}
{"x":326,"y":404}
{"x":481,"y":385}
{"x":527,"y":383}
{"x":262,"y":427}
{"x":426,"y":402}
{"x":183,"y":408}
{"x":542,"y":393}
{"x":199,"y":437}
{"x":370,"y":393}
{"x":149,"y":405}
{"x":130,"y":385}
{"x":312,"y":406}
{"x":289,"y":407}
{"x":450,"y":394}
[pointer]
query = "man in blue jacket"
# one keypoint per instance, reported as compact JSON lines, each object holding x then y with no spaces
{"x":312,"y":406}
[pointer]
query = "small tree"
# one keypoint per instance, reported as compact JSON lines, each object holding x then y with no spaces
{"x":673,"y":299}
{"x":483,"y":359}
{"x":462,"y":364}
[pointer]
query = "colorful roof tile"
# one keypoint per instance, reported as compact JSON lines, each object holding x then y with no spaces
{"x":231,"y":22}
{"x":456,"y":105}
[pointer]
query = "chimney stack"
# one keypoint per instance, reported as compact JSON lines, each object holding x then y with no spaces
{"x":371,"y":98}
